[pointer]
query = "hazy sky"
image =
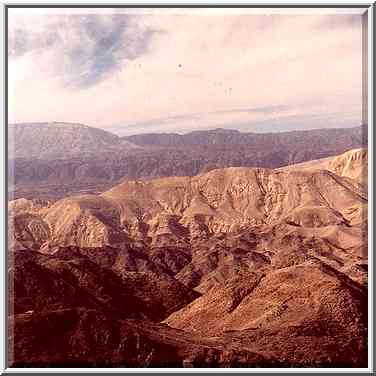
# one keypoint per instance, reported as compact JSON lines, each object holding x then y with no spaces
{"x":133,"y":71}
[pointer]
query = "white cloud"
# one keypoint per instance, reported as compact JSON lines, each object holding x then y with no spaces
{"x":202,"y":62}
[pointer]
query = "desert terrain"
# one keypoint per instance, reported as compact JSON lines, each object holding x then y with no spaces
{"x":211,"y":249}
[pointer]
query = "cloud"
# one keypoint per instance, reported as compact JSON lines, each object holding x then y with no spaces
{"x":185,"y":69}
{"x":87,"y":48}
{"x":341,"y":21}
{"x":21,"y":41}
{"x":286,"y":118}
{"x":188,"y":120}
{"x":264,"y":110}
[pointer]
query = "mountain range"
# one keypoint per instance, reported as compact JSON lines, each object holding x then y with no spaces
{"x":60,"y":141}
{"x":52,"y":160}
{"x":232,"y":267}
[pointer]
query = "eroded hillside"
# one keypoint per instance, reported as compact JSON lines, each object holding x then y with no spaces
{"x":237,"y":267}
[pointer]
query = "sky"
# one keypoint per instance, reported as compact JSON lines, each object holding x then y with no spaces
{"x":135,"y":71}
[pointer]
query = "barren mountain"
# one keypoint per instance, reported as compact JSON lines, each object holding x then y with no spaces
{"x":243,"y":267}
{"x":323,"y":138}
{"x":352,"y":164}
{"x":60,"y":141}
{"x":55,"y":160}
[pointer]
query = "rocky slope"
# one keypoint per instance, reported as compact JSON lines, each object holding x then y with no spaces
{"x":243,"y":267}
{"x":88,"y":338}
{"x":352,"y":164}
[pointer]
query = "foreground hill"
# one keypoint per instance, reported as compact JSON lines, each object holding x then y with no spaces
{"x":243,"y":266}
{"x":352,"y":164}
{"x":55,"y":160}
{"x":90,"y":338}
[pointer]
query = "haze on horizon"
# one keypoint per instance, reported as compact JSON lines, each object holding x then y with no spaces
{"x":155,"y":70}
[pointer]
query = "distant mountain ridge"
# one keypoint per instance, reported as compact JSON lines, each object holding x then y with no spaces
{"x":60,"y":140}
{"x":234,"y":137}
{"x":52,"y":160}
